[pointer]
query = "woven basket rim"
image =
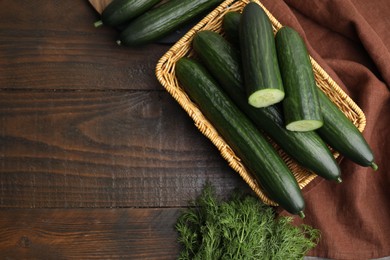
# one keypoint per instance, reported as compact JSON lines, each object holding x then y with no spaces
{"x":165,"y":73}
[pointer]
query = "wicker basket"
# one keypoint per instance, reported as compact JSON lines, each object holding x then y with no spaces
{"x":165,"y":72}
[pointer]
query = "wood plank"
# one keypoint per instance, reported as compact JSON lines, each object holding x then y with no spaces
{"x":54,"y":45}
{"x":88,"y":234}
{"x":103,"y":149}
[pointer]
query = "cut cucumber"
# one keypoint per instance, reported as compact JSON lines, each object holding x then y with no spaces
{"x":304,"y":125}
{"x":337,"y":131}
{"x":301,"y":105}
{"x":306,"y":148}
{"x":262,"y":77}
{"x":265,"y":97}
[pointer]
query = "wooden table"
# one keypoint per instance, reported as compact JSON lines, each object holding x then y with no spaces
{"x":96,"y":158}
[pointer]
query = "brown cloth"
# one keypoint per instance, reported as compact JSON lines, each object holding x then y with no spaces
{"x":350,"y":39}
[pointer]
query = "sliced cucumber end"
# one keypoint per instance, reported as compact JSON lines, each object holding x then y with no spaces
{"x":304,"y":125}
{"x":265,"y":97}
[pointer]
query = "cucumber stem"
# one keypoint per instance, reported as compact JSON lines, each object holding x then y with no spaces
{"x":301,"y":214}
{"x":118,"y":42}
{"x":98,"y":23}
{"x":374,"y":166}
{"x":339,"y":180}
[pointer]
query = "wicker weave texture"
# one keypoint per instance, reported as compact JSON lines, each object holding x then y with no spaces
{"x":165,"y":72}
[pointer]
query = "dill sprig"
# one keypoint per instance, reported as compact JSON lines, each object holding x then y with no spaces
{"x":240,"y":228}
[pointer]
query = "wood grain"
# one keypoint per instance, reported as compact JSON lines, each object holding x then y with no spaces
{"x":88,"y":234}
{"x":54,"y":45}
{"x":102,"y":149}
{"x":96,"y":159}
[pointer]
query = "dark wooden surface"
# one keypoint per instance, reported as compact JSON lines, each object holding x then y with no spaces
{"x":96,"y":159}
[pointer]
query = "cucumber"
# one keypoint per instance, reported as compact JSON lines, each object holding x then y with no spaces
{"x":119,"y":12}
{"x":260,"y":158}
{"x":342,"y":135}
{"x":229,"y":24}
{"x":262,"y":77}
{"x":301,"y":105}
{"x":223,"y":62}
{"x":160,"y":21}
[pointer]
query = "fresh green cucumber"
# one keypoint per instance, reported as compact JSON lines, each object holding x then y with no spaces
{"x":223,"y":62}
{"x":162,"y":20}
{"x":119,"y":12}
{"x":262,"y":77}
{"x":342,"y":135}
{"x":229,"y":24}
{"x":256,"y":153}
{"x":301,"y":105}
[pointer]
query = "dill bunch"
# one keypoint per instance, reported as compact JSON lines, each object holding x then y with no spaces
{"x":239,"y":228}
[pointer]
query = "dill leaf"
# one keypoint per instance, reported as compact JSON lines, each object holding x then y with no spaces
{"x":239,"y":228}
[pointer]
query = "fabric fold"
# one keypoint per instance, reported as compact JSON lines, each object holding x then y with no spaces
{"x":347,"y":38}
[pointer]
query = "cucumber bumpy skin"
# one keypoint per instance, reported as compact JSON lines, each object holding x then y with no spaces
{"x":262,"y":79}
{"x":307,"y":148}
{"x":230,"y":22}
{"x":119,"y":12}
{"x":162,"y":20}
{"x":302,"y":109}
{"x":256,"y":153}
{"x":342,"y":135}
